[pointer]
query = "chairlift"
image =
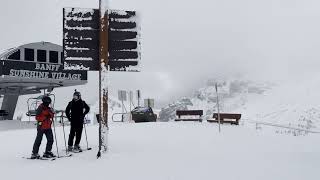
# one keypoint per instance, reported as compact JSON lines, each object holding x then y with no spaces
{"x":34,"y":102}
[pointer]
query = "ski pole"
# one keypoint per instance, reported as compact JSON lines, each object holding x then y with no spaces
{"x":85,"y":132}
{"x":55,"y":135}
{"x":64,"y":134}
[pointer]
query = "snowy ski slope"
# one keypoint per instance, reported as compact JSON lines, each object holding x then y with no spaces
{"x":169,"y":151}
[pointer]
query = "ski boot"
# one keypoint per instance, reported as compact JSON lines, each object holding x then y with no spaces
{"x":70,"y":148}
{"x":49,"y":155}
{"x":77,"y":148}
{"x":35,"y":156}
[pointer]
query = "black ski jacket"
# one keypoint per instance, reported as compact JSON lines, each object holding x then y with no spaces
{"x":76,"y":111}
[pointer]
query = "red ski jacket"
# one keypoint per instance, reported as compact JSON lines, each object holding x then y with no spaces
{"x":44,"y":116}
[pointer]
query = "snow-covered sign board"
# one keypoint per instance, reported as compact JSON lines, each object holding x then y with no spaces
{"x":81,"y":39}
{"x":124,"y":40}
{"x":122,"y":95}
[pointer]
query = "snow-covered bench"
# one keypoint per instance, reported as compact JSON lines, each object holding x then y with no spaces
{"x":226,"y":118}
{"x":183,"y":113}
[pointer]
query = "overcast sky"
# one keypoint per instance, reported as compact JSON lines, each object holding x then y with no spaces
{"x":186,"y":42}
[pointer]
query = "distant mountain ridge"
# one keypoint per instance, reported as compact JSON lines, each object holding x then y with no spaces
{"x":285,"y":103}
{"x":232,"y":94}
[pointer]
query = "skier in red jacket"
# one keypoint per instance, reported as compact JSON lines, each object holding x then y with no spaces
{"x":44,"y":116}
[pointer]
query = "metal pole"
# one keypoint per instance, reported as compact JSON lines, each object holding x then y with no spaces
{"x":216,"y":85}
{"x":122,"y":105}
{"x":130,"y":98}
{"x":54,"y":126}
{"x":138,"y":94}
{"x":64,"y":134}
{"x":85,"y":131}
{"x":55,"y":135}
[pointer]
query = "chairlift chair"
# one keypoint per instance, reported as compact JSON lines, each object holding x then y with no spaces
{"x":34,"y":102}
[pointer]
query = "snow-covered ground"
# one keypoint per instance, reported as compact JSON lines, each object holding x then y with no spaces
{"x":169,"y":151}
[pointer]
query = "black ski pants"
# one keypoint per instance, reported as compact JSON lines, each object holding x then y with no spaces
{"x":75,"y":130}
{"x":37,"y":142}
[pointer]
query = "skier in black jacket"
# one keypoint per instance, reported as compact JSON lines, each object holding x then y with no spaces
{"x":79,"y":109}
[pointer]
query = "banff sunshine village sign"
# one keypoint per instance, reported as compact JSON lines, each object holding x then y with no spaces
{"x":42,"y":71}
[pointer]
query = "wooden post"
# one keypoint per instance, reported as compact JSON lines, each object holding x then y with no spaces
{"x":103,"y":89}
{"x":103,"y":56}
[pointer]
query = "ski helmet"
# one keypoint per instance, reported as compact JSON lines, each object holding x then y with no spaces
{"x":77,"y":94}
{"x":46,"y":100}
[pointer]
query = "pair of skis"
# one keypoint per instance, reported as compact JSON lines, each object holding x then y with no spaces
{"x":41,"y":158}
{"x":69,"y":154}
{"x":82,"y":150}
{"x":48,"y":159}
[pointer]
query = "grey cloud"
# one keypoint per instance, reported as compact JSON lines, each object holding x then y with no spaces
{"x":187,"y":42}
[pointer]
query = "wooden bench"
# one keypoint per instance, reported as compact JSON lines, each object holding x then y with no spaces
{"x":180,"y":113}
{"x":226,"y":118}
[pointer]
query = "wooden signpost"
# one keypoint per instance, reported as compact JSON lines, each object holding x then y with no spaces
{"x":101,"y":40}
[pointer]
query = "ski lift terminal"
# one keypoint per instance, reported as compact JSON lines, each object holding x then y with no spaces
{"x":31,"y":68}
